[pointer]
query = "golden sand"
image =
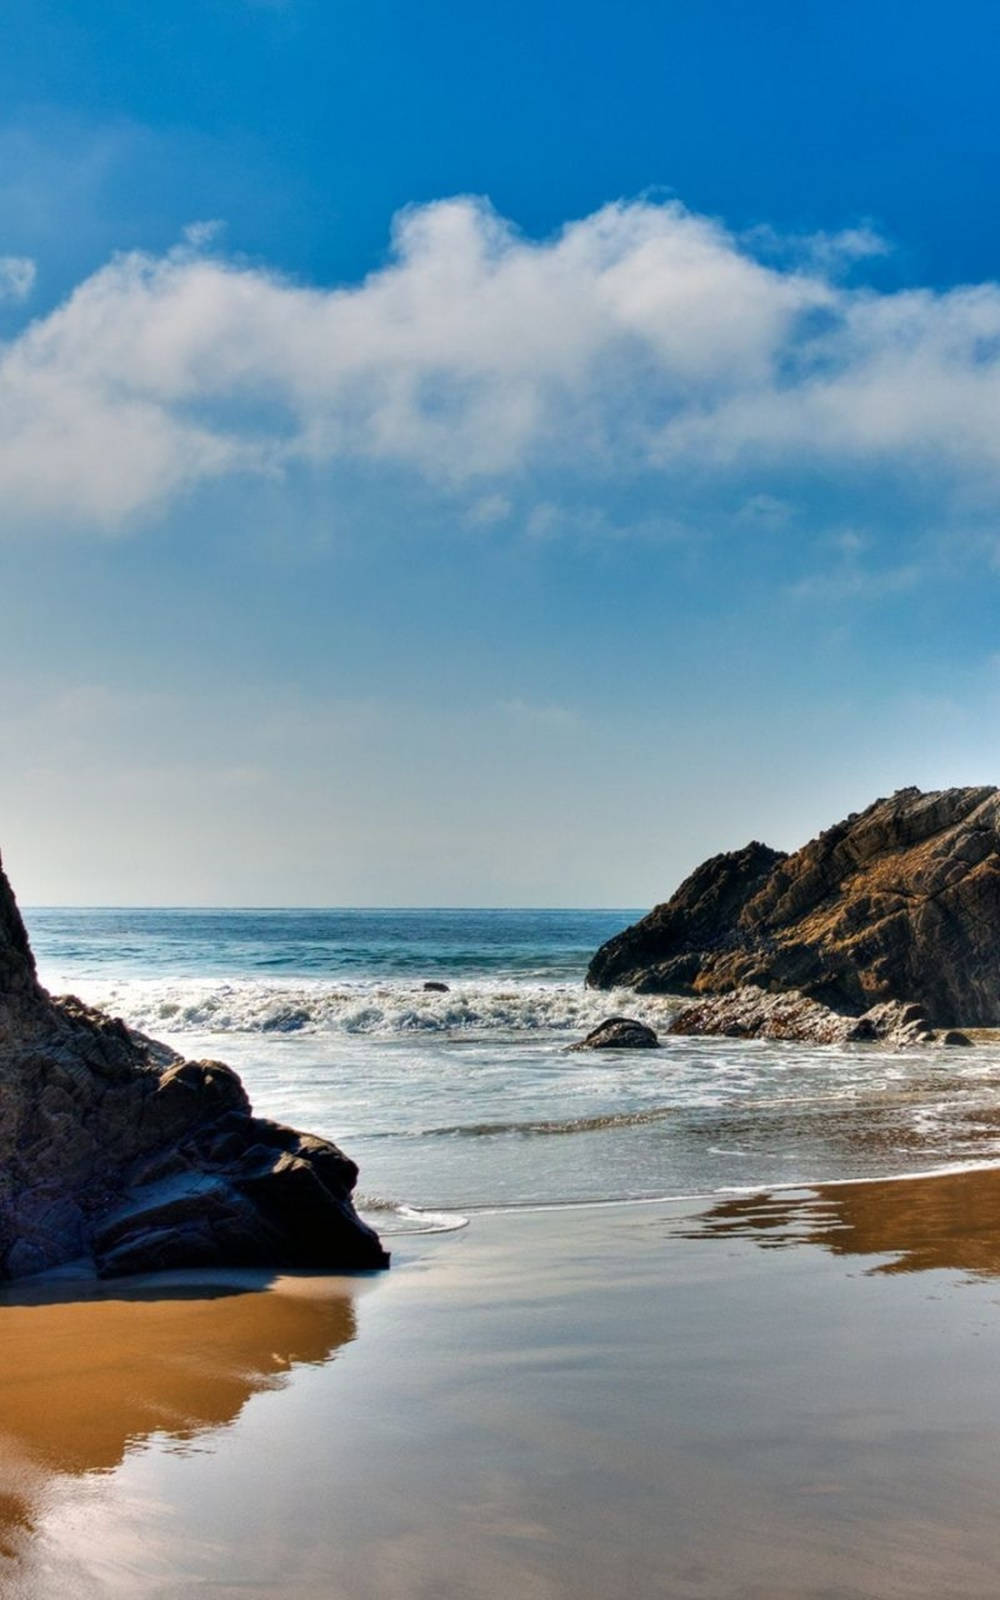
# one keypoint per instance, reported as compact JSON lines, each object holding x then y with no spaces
{"x":773,"y":1396}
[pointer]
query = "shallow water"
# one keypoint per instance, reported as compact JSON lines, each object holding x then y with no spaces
{"x":469,"y":1099}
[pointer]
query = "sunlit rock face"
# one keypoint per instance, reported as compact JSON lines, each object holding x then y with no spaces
{"x":899,"y":902}
{"x":116,"y":1150}
{"x":753,"y":1013}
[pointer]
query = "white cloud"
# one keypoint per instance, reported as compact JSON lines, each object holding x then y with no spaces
{"x":853,"y":582}
{"x":850,"y":576}
{"x":201,"y":234}
{"x":640,"y":337}
{"x":765,"y":511}
{"x":850,"y":244}
{"x":827,"y":253}
{"x":17,"y":277}
{"x":548,"y":520}
{"x":488,"y":510}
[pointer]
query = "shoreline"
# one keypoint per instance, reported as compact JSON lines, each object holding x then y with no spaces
{"x":432,"y":1220}
{"x":754,"y":1397}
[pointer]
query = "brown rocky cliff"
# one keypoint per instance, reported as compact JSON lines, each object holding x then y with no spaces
{"x":117,"y":1150}
{"x":900,"y":902}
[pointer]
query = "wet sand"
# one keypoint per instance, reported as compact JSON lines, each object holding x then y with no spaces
{"x":774,"y":1396}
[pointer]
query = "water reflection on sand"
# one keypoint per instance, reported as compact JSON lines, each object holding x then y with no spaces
{"x":951,"y":1221}
{"x":86,"y":1381}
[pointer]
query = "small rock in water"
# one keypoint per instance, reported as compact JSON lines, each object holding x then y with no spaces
{"x":433,"y":987}
{"x":619,"y":1033}
{"x":955,"y":1036}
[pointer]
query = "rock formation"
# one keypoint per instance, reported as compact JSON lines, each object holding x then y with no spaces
{"x":619,"y":1033}
{"x":114,"y":1149}
{"x":898,"y":903}
{"x":752,"y":1013}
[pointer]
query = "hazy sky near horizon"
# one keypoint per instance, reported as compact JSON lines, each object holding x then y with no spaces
{"x":488,"y":455}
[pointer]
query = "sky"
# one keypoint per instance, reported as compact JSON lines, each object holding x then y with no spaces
{"x":488,"y":455}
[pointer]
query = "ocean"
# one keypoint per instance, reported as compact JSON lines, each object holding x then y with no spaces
{"x":468,"y":1100}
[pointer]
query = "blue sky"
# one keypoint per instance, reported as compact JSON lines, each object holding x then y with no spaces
{"x":487,"y":454}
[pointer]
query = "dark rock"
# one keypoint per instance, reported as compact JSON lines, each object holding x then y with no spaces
{"x":619,"y":1033}
{"x":433,"y":987}
{"x":900,"y":902}
{"x":113,"y":1147}
{"x":662,"y":954}
{"x":955,"y":1036}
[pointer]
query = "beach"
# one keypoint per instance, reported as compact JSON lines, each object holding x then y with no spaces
{"x":785,"y":1394}
{"x":717,"y":1321}
{"x":499,"y":840}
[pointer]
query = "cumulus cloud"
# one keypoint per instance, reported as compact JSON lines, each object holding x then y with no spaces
{"x":643,"y":337}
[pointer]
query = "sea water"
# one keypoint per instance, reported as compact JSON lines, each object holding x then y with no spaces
{"x":469,"y":1098}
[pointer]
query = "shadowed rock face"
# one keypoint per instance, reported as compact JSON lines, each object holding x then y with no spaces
{"x":900,"y":902}
{"x":114,"y":1148}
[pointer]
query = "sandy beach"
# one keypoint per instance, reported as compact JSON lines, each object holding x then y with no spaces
{"x":787,"y":1394}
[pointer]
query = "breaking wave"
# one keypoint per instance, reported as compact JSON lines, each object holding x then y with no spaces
{"x":382,"y":1009}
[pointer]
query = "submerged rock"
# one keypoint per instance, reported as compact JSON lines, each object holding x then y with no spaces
{"x":115,"y":1149}
{"x":432,"y":986}
{"x":619,"y":1033}
{"x":898,"y":903}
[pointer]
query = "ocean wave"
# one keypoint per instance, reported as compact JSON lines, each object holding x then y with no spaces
{"x":382,"y":1009}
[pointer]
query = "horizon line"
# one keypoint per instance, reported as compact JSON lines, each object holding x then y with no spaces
{"x":143,"y":905}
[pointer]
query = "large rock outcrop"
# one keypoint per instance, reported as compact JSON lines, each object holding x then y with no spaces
{"x":900,"y":902}
{"x":114,"y":1148}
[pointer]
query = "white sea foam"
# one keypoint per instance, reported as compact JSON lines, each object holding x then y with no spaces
{"x":380,"y":1008}
{"x":393,"y":1217}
